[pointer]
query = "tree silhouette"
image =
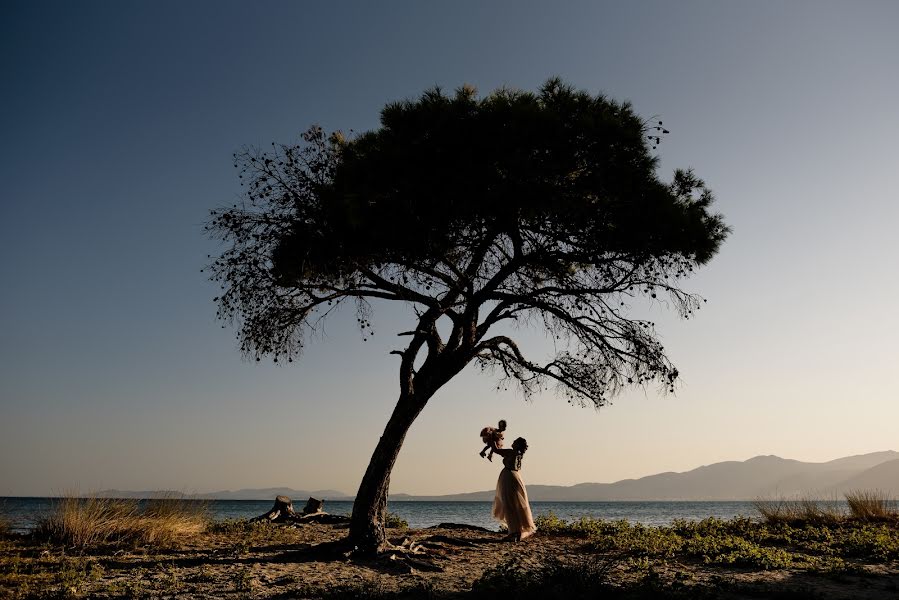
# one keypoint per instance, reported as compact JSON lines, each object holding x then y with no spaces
{"x":538,"y":208}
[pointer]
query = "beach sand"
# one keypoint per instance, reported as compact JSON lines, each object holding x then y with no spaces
{"x":457,"y":562}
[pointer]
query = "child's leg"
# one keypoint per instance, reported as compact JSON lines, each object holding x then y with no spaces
{"x":490,"y":456}
{"x":484,"y":451}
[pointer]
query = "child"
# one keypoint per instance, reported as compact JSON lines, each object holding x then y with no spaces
{"x":493,"y":437}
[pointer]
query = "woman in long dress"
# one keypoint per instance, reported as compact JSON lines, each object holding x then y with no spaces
{"x":510,"y":505}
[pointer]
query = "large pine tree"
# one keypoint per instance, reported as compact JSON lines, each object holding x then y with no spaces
{"x":542,"y":208}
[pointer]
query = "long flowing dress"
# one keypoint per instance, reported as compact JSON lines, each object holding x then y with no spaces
{"x":510,"y":505}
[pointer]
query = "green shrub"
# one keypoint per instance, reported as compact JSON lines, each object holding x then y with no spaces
{"x":640,"y":540}
{"x":733,"y":550}
{"x":550,"y":523}
{"x":575,"y":578}
{"x":582,"y":527}
{"x":868,"y":540}
{"x":394,"y":521}
{"x":238,"y":526}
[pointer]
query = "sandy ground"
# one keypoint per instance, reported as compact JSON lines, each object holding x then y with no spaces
{"x":307,"y":562}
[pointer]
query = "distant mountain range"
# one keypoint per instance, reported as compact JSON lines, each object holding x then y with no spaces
{"x":759,"y":477}
{"x":244,"y":494}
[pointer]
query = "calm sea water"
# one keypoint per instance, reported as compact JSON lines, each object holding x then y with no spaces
{"x":24,"y":511}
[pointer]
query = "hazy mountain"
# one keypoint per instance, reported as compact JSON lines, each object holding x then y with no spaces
{"x":883,"y":477}
{"x":270,"y":493}
{"x":759,"y":477}
{"x":863,"y":461}
{"x":243,"y":494}
{"x":113,"y":493}
{"x":762,"y":476}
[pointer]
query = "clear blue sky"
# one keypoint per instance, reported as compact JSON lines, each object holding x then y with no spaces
{"x":118,"y":124}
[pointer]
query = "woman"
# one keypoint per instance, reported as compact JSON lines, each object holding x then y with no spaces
{"x":510,"y":506}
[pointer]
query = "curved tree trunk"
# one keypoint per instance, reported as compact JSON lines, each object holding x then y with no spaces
{"x":367,"y":531}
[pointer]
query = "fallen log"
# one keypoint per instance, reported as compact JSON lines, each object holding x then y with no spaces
{"x":323,"y":518}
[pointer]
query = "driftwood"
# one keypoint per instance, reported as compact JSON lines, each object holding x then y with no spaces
{"x":445,"y":539}
{"x":323,"y":517}
{"x":283,"y":512}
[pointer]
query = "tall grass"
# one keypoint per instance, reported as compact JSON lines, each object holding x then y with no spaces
{"x":863,"y":505}
{"x":92,"y":521}
{"x":799,"y":510}
{"x":5,"y":521}
{"x":871,"y":505}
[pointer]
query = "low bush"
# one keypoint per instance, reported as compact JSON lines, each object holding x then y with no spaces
{"x":742,"y":542}
{"x":573,"y":578}
{"x":869,"y":540}
{"x":239,"y":526}
{"x":394,"y":521}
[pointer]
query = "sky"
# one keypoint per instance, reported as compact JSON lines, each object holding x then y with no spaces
{"x":118,"y":123}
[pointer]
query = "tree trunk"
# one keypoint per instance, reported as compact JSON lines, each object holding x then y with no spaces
{"x":367,"y":532}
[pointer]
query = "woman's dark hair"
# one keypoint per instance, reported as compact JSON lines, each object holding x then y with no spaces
{"x":520,"y":444}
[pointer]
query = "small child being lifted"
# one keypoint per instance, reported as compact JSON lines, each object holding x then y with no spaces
{"x":493,"y":437}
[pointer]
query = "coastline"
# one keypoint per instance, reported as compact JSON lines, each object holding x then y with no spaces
{"x":23,"y":511}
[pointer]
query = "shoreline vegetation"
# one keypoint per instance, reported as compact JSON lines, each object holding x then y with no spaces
{"x":92,"y":547}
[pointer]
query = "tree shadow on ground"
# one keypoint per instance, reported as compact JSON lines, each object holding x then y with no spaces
{"x":569,"y":586}
{"x":396,"y":560}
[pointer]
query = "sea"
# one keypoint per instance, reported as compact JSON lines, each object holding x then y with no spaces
{"x":24,"y":512}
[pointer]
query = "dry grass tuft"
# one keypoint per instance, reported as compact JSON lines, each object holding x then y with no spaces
{"x":800,"y":510}
{"x":91,"y":521}
{"x":5,"y":521}
{"x":88,"y":521}
{"x":820,"y":512}
{"x":871,"y":505}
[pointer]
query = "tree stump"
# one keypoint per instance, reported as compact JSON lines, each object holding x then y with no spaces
{"x":313,"y":505}
{"x":280,"y":512}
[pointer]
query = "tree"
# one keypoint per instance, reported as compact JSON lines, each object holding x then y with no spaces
{"x":538,"y":208}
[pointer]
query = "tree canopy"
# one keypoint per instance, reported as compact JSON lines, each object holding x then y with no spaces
{"x":542,"y":207}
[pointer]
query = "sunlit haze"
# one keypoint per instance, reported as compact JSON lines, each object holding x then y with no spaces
{"x":118,"y":124}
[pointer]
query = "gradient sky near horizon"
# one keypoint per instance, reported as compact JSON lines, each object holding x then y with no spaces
{"x":118,"y":124}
